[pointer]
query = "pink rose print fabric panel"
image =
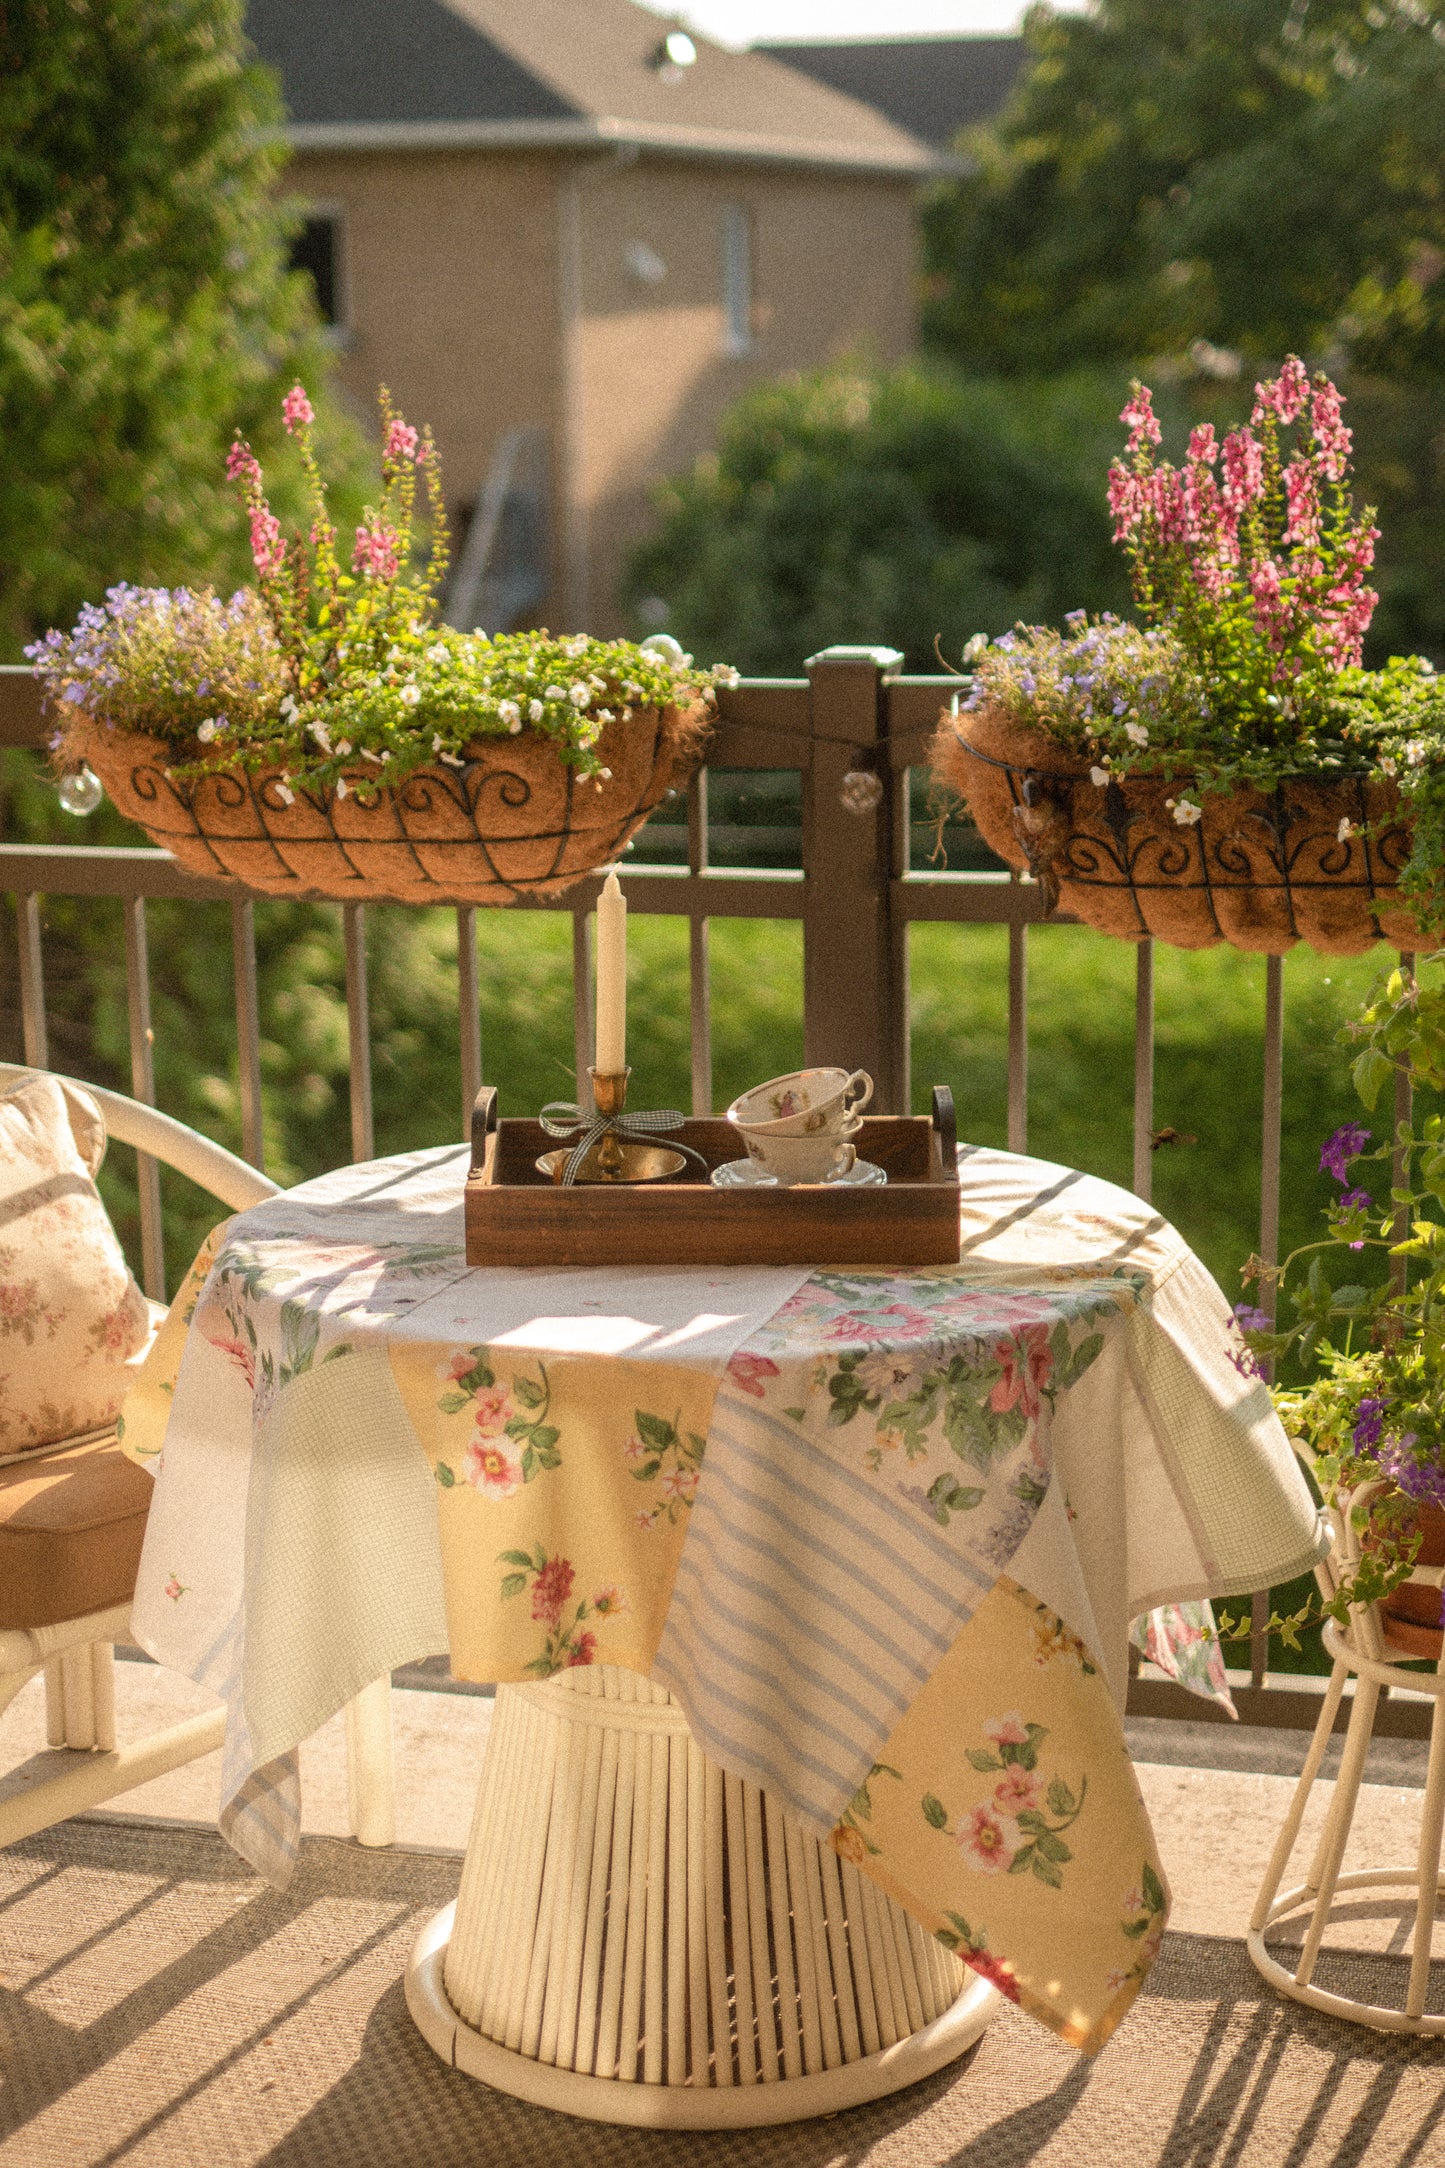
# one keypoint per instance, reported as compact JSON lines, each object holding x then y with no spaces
{"x":1181,"y":1638}
{"x":878,"y":1452}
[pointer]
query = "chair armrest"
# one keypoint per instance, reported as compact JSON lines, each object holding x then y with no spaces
{"x":209,"y":1165}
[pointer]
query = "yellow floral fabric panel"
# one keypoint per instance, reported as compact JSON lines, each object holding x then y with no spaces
{"x":564,"y":1487}
{"x":1004,"y":1813}
{"x":141,"y":1426}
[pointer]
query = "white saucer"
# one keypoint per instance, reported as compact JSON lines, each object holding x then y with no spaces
{"x":742,"y":1174}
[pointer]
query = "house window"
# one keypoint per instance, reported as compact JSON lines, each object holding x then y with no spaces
{"x":317,"y":250}
{"x":737,"y":279}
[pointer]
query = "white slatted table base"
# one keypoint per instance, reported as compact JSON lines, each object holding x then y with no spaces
{"x":640,"y":1939}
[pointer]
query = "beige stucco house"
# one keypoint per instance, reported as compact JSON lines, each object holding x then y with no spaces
{"x":569,"y":235}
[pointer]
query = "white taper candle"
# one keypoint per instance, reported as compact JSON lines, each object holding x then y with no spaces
{"x":611,"y":978}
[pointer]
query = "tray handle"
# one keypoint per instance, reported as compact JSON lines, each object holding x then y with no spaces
{"x":484,"y":1126}
{"x":945,"y":1130}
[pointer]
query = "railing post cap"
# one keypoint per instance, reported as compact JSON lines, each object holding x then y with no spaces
{"x":886,"y":660}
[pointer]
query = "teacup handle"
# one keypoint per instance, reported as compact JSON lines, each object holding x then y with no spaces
{"x":849,"y":1155}
{"x":861,"y":1083}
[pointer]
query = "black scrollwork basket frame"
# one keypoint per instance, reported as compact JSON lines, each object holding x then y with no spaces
{"x":1316,"y":859}
{"x":513,"y":820}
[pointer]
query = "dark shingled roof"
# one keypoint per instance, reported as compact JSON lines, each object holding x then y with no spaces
{"x":930,"y":86}
{"x":562,"y":73}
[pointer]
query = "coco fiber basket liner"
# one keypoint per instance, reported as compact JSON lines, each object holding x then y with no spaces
{"x":514,"y":821}
{"x":1261,"y":870}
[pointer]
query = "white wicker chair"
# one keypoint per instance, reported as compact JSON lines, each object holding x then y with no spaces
{"x":76,"y":1654}
{"x":1365,"y":1650}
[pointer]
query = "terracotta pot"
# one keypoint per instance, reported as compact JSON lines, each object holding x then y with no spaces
{"x":1412,"y":1611}
{"x":1260,"y":870}
{"x":515,"y":821}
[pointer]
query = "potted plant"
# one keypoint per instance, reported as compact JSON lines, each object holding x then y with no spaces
{"x":321,"y":734}
{"x":1372,"y":1419}
{"x":1224,"y":769}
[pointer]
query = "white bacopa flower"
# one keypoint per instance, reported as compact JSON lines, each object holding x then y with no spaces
{"x":207,"y":730}
{"x":535,"y":711}
{"x":288,"y":709}
{"x":510,"y":714}
{"x":393,"y":654}
{"x":1346,"y":828}
{"x":599,"y":685}
{"x":453,"y":760}
{"x":437,"y":653}
{"x":575,"y":646}
{"x":367,"y":754}
{"x":344,"y":747}
{"x":604,"y":715}
{"x":319,"y":732}
{"x":605,"y":774}
{"x":410,"y":695}
{"x":286,"y":796}
{"x":1136,"y":733}
{"x":580,"y":695}
{"x":1098,"y":777}
{"x":1186,"y":813}
{"x":554,"y":692}
{"x":976,"y":647}
{"x":1415,"y":752}
{"x":1387,"y":765}
{"x":341,"y":786}
{"x":436,"y":743}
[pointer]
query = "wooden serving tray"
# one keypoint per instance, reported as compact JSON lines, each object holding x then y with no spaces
{"x":516,"y":1216}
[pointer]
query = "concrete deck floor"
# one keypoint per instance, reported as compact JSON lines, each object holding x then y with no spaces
{"x":1216,"y":1795}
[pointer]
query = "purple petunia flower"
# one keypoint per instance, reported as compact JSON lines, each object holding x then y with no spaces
{"x":1423,"y":1483}
{"x":1346,"y":1144}
{"x":1250,"y":1319}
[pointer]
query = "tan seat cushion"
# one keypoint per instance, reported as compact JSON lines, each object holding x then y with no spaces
{"x":71,"y":1528}
{"x":71,"y":1317}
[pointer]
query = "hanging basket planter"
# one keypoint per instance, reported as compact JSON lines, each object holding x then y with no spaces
{"x":513,"y":820}
{"x":1261,"y":870}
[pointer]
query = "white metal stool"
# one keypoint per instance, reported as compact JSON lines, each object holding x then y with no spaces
{"x":642,"y":1938}
{"x":1375,"y":1652}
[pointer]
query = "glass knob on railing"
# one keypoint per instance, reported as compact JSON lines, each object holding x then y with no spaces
{"x":861,"y":791}
{"x":80,"y":790}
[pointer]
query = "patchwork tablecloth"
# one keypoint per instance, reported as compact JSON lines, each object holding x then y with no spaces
{"x":882,"y":1533}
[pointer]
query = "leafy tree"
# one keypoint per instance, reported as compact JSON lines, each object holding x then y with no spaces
{"x":146,"y":305}
{"x":899,"y":507}
{"x":1255,"y":175}
{"x":1195,"y":188}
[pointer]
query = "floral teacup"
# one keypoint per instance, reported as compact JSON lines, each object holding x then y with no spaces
{"x":789,"y":1160}
{"x":805,"y":1103}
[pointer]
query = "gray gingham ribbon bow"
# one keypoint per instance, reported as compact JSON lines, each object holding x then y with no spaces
{"x":562,"y":1119}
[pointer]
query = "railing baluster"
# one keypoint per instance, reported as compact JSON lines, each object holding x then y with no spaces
{"x":1269,"y":1167}
{"x":1018,"y":1036}
{"x":358,"y":1028}
{"x":248,"y":1032}
{"x":32,"y":983}
{"x":469,"y":1005}
{"x":1144,"y":1070}
{"x":1404,"y":1102}
{"x":699,"y":952}
{"x":582,"y":1029}
{"x":143,"y":1085}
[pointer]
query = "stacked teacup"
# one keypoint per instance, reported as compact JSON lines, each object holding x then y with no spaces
{"x":799,"y":1128}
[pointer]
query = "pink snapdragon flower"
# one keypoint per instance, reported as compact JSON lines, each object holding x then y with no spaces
{"x":1332,"y":439}
{"x":268,"y":551}
{"x":242,"y":465}
{"x":401,"y":441}
{"x":1243,"y":470}
{"x":1141,"y":419}
{"x":296,"y":410}
{"x":1285,"y":396}
{"x":375,"y":552}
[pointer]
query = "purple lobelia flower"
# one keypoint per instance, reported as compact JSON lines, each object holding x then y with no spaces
{"x":1369,"y":1421}
{"x":1346,"y":1144}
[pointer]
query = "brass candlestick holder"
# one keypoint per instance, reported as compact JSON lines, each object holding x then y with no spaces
{"x":609,"y":1096}
{"x":613,"y":1145}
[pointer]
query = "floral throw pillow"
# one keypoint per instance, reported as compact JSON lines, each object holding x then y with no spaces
{"x":72,"y":1319}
